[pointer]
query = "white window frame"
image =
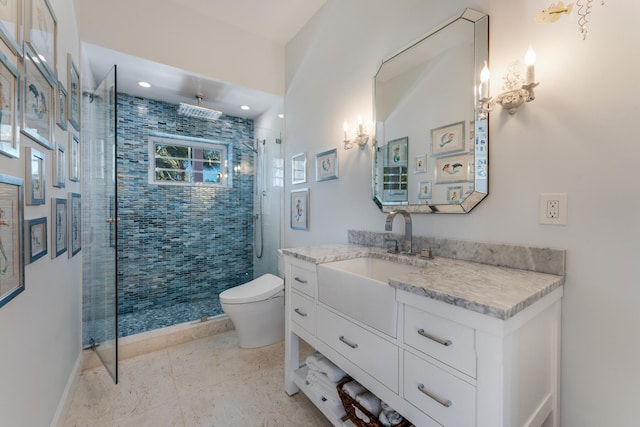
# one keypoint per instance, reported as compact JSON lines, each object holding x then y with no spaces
{"x":194,"y":143}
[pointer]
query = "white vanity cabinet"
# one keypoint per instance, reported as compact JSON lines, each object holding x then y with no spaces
{"x":447,"y":366}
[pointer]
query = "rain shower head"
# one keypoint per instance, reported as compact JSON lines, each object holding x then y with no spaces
{"x":198,"y":111}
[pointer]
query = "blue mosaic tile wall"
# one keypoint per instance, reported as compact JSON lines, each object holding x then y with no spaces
{"x":178,"y":246}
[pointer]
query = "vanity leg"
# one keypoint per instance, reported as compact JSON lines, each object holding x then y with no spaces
{"x":291,"y":361}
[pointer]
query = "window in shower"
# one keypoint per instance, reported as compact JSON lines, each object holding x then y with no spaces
{"x":188,"y":162}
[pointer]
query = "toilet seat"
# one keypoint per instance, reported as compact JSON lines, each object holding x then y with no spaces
{"x":263,"y":288}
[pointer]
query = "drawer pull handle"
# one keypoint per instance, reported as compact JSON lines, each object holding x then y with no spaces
{"x":299,"y":280}
{"x":341,"y":338}
{"x":445,"y":343}
{"x":297,"y":310}
{"x":444,"y":402}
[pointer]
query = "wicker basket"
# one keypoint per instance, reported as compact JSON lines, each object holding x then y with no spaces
{"x":350,"y":404}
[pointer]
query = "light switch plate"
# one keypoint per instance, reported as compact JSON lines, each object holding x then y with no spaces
{"x":553,"y":209}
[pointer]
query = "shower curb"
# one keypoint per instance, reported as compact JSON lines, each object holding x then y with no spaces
{"x":159,"y":339}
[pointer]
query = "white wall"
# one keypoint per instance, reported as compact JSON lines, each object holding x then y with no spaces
{"x":577,"y":137}
{"x":40,"y":328}
{"x":174,"y":34}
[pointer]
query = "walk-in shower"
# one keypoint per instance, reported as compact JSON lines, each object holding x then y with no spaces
{"x":180,"y":244}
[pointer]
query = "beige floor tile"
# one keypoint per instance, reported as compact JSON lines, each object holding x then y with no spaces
{"x":207,"y":382}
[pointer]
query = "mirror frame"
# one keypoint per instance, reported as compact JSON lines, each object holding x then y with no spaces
{"x":481,"y":52}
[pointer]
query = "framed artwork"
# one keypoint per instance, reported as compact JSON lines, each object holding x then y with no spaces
{"x":75,"y":237}
{"x":11,"y":238}
{"x":397,"y":152}
{"x":300,"y":209}
{"x":35,"y":239}
{"x":41,"y":33}
{"x":452,"y":168}
{"x":74,"y":157}
{"x":59,"y":166}
{"x":58,"y":226}
{"x":35,"y":176}
{"x":299,"y":169}
{"x":10,"y":24}
{"x":447,"y":139}
{"x":454,"y":194}
{"x":420,"y":164}
{"x":327,"y":165}
{"x":37,"y":107}
{"x":424,"y":189}
{"x":61,"y":106}
{"x":9,"y":86}
{"x":73,"y":97}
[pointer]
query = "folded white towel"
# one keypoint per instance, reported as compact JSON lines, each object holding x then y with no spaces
{"x":323,"y":382}
{"x":317,"y":362}
{"x":391,"y":416}
{"x":353,"y":388}
{"x":332,"y":399}
{"x":370,"y":402}
{"x":361,"y":415}
{"x":383,"y":420}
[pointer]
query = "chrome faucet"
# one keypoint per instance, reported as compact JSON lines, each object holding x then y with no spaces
{"x":388,"y":225}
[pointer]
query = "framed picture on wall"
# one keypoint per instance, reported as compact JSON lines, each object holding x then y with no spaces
{"x":420,"y":164}
{"x":59,"y":166}
{"x":35,"y":239}
{"x":397,"y":152}
{"x":36,"y":163}
{"x":10,"y":25}
{"x":9,"y":86}
{"x":37,"y":104}
{"x":58,"y":227}
{"x":73,"y":97}
{"x":11,"y":238}
{"x":327,"y":165}
{"x":41,"y":31}
{"x":424,"y":190}
{"x":299,"y":169}
{"x":454,"y":194}
{"x":75,"y":243}
{"x":74,"y":157}
{"x":452,"y":169}
{"x":300,"y":209}
{"x":61,"y":106}
{"x":447,"y":139}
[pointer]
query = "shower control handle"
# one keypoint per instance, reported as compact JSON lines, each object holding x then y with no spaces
{"x":110,"y":220}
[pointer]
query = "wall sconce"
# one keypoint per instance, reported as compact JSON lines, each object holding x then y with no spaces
{"x":516,"y":92}
{"x":361,"y":137}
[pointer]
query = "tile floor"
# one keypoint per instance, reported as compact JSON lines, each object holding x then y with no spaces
{"x":206,"y":382}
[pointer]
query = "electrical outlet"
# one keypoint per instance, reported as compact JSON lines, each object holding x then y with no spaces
{"x":553,"y":209}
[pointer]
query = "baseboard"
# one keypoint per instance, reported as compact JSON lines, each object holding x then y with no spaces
{"x":65,"y":400}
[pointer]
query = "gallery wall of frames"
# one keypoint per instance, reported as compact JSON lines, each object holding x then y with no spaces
{"x":39,"y":126}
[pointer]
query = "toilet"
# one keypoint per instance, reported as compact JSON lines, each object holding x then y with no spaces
{"x":256,"y":310}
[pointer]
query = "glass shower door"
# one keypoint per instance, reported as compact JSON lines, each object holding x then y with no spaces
{"x":100,"y":220}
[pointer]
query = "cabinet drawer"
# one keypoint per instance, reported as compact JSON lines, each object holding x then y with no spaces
{"x":303,"y":312}
{"x":370,"y":352}
{"x":449,"y":342}
{"x":445,"y":398}
{"x":304,"y":280}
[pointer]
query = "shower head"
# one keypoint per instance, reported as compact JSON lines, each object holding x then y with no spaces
{"x":198,"y":111}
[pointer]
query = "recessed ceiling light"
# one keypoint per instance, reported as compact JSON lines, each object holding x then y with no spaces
{"x":144,"y":84}
{"x":245,"y":107}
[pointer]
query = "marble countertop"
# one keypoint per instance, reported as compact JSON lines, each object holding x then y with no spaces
{"x":499,"y":292}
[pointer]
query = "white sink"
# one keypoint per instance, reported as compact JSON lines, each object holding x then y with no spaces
{"x":359,"y":288}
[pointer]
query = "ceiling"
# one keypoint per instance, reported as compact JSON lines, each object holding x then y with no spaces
{"x":170,"y":84}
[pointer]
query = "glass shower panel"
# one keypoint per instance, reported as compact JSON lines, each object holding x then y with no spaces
{"x":100,"y":222}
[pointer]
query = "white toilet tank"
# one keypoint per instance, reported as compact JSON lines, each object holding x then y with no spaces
{"x":256,"y":309}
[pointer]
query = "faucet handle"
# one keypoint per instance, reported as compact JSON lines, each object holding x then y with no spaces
{"x":395,"y":248}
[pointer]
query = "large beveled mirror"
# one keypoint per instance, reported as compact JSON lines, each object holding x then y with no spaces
{"x":430,"y":146}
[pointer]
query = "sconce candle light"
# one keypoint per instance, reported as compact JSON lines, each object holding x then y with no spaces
{"x":361,"y":137}
{"x":517,"y":92}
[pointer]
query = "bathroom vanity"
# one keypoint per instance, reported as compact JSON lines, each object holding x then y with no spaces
{"x":444,"y":341}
